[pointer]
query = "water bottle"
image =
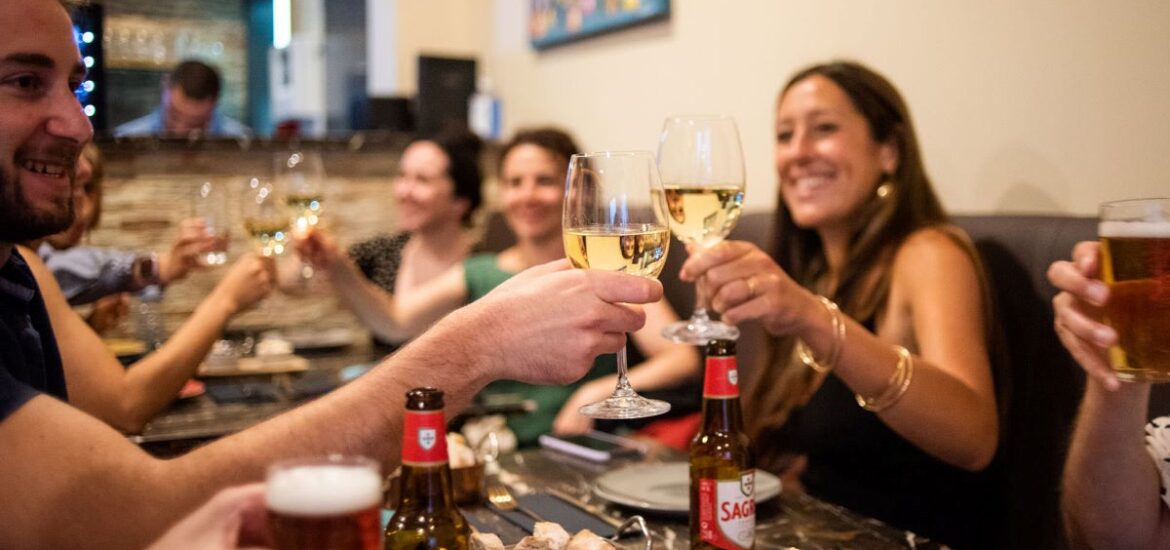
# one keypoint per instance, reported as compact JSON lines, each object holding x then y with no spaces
{"x":485,"y":114}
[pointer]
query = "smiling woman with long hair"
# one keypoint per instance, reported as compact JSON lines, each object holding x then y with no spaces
{"x":879,"y":365}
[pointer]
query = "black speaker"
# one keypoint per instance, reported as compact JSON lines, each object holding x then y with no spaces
{"x":445,"y":85}
{"x":387,"y":113}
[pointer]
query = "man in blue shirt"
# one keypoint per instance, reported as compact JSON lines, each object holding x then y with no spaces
{"x":190,"y":95}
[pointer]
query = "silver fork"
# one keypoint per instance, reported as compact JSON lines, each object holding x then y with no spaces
{"x":500,"y":497}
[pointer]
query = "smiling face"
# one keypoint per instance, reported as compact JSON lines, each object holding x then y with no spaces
{"x":532,"y":186}
{"x":42,"y":128}
{"x":424,"y":191}
{"x":828,"y":162}
{"x":85,"y":197}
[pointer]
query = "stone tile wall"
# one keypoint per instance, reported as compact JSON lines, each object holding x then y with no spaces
{"x":150,"y":186}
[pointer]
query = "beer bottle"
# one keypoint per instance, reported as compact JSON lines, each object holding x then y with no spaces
{"x":723,"y":504}
{"x":426,"y":517}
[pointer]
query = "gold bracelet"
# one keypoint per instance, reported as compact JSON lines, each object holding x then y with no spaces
{"x":806,"y":355}
{"x":895,"y":388}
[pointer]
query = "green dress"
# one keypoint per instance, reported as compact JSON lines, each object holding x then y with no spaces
{"x":481,"y":274}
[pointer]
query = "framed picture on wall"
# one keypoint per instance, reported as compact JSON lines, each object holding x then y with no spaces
{"x":554,"y":22}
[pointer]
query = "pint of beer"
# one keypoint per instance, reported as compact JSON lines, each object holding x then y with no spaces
{"x":328,"y":503}
{"x":1135,"y":262}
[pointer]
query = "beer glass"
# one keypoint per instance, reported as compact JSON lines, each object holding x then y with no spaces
{"x":325,"y":503}
{"x":701,"y":163}
{"x":615,"y":219}
{"x":1135,"y":263}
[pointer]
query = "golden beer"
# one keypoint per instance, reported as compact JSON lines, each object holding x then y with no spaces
{"x":1135,"y":262}
{"x":723,"y":500}
{"x":426,"y":517}
{"x":325,"y":504}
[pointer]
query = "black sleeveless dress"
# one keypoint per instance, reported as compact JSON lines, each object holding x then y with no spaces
{"x":858,"y":462}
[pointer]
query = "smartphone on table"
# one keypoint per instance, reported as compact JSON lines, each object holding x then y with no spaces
{"x":593,"y":445}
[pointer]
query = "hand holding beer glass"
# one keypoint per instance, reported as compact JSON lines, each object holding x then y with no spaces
{"x":325,"y":503}
{"x":615,"y":219}
{"x":1135,"y":263}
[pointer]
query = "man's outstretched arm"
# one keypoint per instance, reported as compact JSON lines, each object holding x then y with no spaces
{"x":71,"y":481}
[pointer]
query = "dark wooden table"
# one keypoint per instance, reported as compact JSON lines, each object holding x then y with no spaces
{"x":790,"y":521}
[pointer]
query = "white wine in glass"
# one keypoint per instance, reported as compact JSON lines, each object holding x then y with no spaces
{"x":637,"y":249}
{"x":701,"y":163}
{"x":703,"y":214}
{"x":301,"y":175}
{"x":265,"y":219}
{"x":615,"y":219}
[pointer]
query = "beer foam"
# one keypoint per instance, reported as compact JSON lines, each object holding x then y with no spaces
{"x":322,"y":490}
{"x":1146,"y":230}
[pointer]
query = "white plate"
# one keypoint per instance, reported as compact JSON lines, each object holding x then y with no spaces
{"x":307,"y":339}
{"x":665,"y":487}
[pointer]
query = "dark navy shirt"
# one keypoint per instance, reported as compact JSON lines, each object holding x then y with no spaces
{"x":29,"y":360}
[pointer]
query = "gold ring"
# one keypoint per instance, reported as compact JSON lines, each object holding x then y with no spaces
{"x":751,"y":284}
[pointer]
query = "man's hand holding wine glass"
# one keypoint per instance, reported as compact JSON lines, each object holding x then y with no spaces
{"x":593,"y":312}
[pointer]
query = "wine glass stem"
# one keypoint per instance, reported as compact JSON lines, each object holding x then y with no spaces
{"x":700,"y":302}
{"x":623,"y":388}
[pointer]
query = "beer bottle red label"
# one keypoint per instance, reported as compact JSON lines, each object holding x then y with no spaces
{"x":721,"y":378}
{"x":424,"y":438}
{"x":727,"y":511}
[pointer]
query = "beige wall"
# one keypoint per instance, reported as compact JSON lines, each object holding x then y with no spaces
{"x":454,"y":28}
{"x":1033,"y":106}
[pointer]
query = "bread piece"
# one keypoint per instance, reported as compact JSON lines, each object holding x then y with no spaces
{"x":588,"y":540}
{"x":533,"y":543}
{"x":556,"y":535}
{"x":459,"y":455}
{"x":486,"y":541}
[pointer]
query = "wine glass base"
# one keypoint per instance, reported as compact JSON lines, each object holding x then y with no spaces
{"x":699,"y":333}
{"x":625,"y":407}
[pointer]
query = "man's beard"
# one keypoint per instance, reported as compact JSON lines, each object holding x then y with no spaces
{"x":19,"y":221}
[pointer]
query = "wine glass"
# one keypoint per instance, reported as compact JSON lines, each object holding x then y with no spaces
{"x":301,"y":175}
{"x":265,"y":219}
{"x":615,"y":219}
{"x":703,"y":177}
{"x":211,"y":204}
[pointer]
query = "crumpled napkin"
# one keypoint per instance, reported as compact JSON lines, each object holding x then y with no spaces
{"x":1158,"y":445}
